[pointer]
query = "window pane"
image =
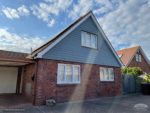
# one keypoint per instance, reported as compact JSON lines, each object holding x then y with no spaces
{"x":76,"y":73}
{"x":137,"y":57}
{"x":101,"y":74}
{"x":140,"y":59}
{"x":61,"y":73}
{"x":93,"y":41}
{"x":106,"y":77}
{"x":68,"y":73}
{"x":83,"y":39}
{"x":88,"y":40}
{"x":111,"y":74}
{"x":104,"y":74}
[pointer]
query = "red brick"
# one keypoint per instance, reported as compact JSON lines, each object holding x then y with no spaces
{"x":90,"y":87}
{"x":143,"y":65}
{"x":29,"y":71}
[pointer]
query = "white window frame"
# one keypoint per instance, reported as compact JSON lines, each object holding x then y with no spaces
{"x":65,"y":81}
{"x":102,"y":74}
{"x":138,"y":58}
{"x":84,"y":40}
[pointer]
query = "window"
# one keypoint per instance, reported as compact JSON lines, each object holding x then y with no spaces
{"x":89,"y":40}
{"x":106,"y":74}
{"x":138,"y":58}
{"x":68,"y":74}
{"x":120,"y":55}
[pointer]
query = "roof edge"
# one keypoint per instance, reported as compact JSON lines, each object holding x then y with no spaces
{"x":55,"y":36}
{"x":40,"y":54}
{"x":142,"y":52}
{"x":138,"y":47}
{"x":83,"y":18}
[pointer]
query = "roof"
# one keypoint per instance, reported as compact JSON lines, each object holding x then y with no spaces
{"x":38,"y":53}
{"x":127,"y":54}
{"x":35,"y":52}
{"x":9,"y":56}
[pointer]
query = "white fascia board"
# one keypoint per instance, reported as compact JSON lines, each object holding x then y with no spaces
{"x":107,"y":41}
{"x":143,"y":53}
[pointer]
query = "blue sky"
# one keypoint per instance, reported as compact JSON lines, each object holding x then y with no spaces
{"x":25,"y":24}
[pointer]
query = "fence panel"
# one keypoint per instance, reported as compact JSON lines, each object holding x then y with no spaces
{"x":130,"y":84}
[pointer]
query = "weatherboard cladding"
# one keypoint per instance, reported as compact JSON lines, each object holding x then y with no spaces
{"x":70,"y":49}
{"x":38,"y":50}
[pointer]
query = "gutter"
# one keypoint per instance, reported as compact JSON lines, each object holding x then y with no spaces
{"x":21,"y":61}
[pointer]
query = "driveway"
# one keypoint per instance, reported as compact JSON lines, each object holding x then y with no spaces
{"x":9,"y":100}
{"x":123,"y":104}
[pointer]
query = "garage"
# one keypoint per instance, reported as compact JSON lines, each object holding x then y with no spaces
{"x":8,"y":79}
{"x":11,"y":71}
{"x":14,"y":78}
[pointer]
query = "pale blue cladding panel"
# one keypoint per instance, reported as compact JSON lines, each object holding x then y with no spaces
{"x":70,"y":49}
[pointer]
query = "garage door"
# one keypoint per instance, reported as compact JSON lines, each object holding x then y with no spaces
{"x":8,"y":79}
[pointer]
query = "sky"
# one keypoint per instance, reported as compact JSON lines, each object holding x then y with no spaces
{"x":26,"y":24}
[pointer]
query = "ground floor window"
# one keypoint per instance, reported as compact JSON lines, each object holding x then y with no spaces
{"x":68,"y":74}
{"x":106,"y":74}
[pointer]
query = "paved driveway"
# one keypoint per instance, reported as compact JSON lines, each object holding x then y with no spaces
{"x":123,"y":104}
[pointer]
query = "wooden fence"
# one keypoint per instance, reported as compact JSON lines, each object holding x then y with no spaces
{"x":130,"y":84}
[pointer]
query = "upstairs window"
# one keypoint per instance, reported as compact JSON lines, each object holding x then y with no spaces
{"x":120,"y":55}
{"x":89,"y":40}
{"x":138,"y":58}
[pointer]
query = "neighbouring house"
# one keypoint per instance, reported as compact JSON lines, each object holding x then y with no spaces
{"x":134,"y":57}
{"x":79,"y":63}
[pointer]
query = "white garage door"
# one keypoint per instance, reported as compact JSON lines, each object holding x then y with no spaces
{"x":8,"y":79}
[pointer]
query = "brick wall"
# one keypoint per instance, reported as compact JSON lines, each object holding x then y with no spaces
{"x":28,"y":83}
{"x":143,"y":65}
{"x":89,"y":88}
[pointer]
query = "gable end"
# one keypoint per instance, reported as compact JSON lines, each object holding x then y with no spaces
{"x":40,"y":54}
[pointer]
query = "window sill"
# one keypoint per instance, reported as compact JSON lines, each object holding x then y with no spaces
{"x":89,"y":47}
{"x":67,"y":84}
{"x":107,"y":81}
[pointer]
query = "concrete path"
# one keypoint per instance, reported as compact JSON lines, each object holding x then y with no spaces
{"x":123,"y":104}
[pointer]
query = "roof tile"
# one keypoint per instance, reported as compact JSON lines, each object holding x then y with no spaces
{"x":127,"y":54}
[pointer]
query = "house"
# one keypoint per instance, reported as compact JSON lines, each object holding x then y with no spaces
{"x":134,"y":57}
{"x":77,"y":64}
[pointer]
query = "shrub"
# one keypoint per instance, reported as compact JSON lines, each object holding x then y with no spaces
{"x":146,"y":78}
{"x":135,"y":71}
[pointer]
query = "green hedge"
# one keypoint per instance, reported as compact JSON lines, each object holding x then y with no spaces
{"x":133,"y":71}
